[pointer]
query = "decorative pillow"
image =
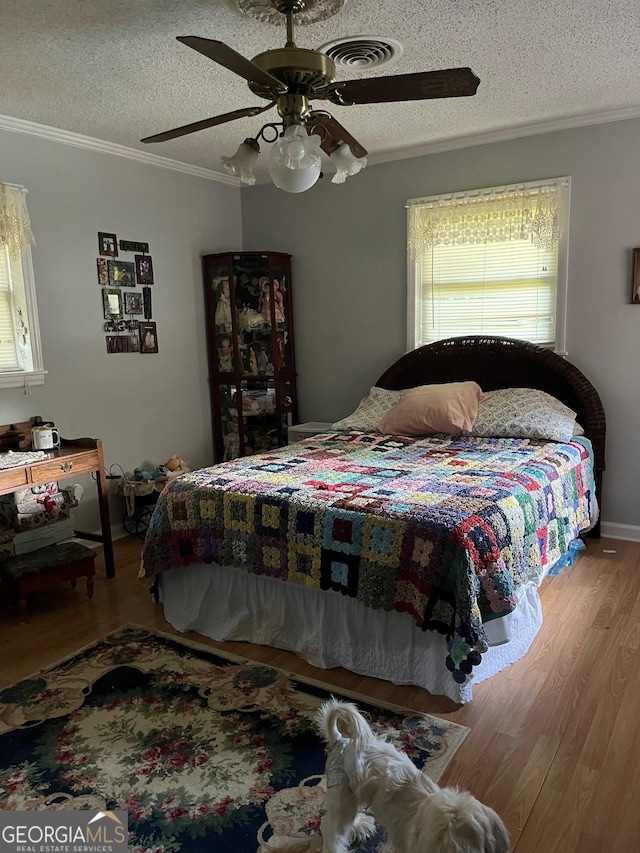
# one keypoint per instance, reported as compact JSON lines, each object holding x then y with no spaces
{"x":427,"y":409}
{"x":370,"y":411}
{"x":524,"y":413}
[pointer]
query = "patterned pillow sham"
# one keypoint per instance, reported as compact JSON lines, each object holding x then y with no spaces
{"x":371,"y":409}
{"x":524,"y":413}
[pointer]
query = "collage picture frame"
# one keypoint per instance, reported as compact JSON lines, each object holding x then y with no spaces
{"x":114,"y":275}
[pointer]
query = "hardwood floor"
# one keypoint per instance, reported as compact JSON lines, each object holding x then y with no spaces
{"x":555,"y":739}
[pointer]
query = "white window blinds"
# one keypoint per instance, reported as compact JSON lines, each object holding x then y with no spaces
{"x":489,"y":262}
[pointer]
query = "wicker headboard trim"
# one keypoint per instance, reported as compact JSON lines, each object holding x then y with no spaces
{"x":495,"y":362}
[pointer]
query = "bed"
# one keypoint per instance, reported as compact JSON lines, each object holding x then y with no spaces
{"x":416,"y":559}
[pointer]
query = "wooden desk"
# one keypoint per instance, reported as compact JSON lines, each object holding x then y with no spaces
{"x":75,"y":456}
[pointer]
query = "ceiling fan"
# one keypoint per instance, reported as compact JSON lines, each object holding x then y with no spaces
{"x":289,"y":78}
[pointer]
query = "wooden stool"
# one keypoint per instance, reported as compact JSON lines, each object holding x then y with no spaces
{"x":46,"y":567}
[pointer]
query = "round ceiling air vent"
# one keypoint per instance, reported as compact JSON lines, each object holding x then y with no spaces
{"x":362,"y":52}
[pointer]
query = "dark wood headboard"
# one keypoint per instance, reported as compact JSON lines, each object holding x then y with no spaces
{"x":495,"y":362}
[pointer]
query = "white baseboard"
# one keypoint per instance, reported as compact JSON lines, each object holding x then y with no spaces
{"x":628,"y":532}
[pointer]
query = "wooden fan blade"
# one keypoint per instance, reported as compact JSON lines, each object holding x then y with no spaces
{"x":234,"y":61}
{"x":450,"y":83}
{"x":205,"y":123}
{"x":332,"y":134}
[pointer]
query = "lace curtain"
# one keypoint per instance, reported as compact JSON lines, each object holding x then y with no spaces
{"x":487,"y":216}
{"x":15,"y":225}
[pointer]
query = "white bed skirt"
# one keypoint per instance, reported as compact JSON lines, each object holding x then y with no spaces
{"x":329,"y":629}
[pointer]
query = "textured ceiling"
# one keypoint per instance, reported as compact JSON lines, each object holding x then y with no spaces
{"x":113,"y":70}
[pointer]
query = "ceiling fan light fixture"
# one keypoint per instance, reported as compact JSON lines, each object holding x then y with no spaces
{"x":243,"y":161}
{"x":346,"y":164}
{"x":294,"y":161}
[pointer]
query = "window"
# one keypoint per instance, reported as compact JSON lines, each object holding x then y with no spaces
{"x":20,"y":352}
{"x":490,"y":262}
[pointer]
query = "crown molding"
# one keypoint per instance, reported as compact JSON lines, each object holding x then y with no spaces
{"x":67,"y":137}
{"x":515,"y":132}
{"x":78,"y":140}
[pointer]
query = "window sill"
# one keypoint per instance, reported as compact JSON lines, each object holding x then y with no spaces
{"x":21,"y":379}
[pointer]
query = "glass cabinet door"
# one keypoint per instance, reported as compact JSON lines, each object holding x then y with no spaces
{"x":251,"y":354}
{"x":222,"y":318}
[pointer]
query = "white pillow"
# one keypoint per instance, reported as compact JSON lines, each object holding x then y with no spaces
{"x":524,"y":413}
{"x":371,"y":409}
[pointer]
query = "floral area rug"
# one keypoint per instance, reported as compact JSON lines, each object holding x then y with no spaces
{"x":203,"y":750}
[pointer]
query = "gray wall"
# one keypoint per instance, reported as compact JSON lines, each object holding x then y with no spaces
{"x":349,"y":267}
{"x":145,"y":408}
{"x":349,"y":274}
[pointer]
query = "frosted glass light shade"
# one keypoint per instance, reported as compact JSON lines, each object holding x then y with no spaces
{"x":294,"y":162}
{"x":346,"y":164}
{"x":242,"y":163}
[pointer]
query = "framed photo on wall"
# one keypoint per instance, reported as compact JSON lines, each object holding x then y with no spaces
{"x":144,"y":269}
{"x":635,"y":277}
{"x":103,"y":274}
{"x":121,"y":274}
{"x":148,"y":338}
{"x":146,"y":301}
{"x":132,"y":302}
{"x":107,"y":244}
{"x":112,"y":303}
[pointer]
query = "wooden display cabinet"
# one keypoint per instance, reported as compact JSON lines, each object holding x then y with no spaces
{"x":250,"y":351}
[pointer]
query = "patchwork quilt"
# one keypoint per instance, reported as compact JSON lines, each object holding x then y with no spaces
{"x":443,"y":528}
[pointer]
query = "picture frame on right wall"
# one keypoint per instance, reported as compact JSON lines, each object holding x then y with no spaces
{"x":635,"y":277}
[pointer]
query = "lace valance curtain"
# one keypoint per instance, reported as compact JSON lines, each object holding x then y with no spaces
{"x":15,"y":225}
{"x":486,"y":216}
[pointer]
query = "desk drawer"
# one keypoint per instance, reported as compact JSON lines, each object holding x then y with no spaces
{"x":12,"y":478}
{"x":65,"y":466}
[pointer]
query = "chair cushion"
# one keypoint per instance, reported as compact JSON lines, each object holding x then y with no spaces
{"x":45,"y":558}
